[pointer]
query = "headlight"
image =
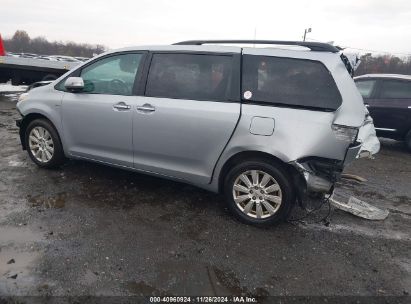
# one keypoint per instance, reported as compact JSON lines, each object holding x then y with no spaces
{"x":348,"y":134}
{"x":23,"y":96}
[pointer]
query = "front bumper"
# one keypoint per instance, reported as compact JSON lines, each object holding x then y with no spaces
{"x":19,"y":124}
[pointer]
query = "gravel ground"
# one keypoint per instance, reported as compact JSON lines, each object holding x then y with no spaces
{"x":93,"y":230}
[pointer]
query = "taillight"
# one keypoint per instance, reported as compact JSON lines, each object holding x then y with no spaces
{"x":344,"y":133}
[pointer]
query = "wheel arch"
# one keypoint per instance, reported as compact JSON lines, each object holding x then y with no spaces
{"x":253,"y":155}
{"x":26,"y":121}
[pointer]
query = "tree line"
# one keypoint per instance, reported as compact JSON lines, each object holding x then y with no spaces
{"x":387,"y":64}
{"x":22,"y":43}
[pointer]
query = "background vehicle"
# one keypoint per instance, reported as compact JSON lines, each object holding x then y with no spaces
{"x":26,"y":68}
{"x":63,"y":58}
{"x":266,"y":127}
{"x":388,"y":98}
{"x":39,"y":84}
{"x":82,"y":58}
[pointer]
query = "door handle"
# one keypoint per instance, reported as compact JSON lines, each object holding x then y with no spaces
{"x":146,"y":108}
{"x":121,"y":106}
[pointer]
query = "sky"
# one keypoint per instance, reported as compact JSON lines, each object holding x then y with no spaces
{"x":375,"y":25}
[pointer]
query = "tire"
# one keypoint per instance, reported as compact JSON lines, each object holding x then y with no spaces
{"x":408,"y":140}
{"x":49,"y":77}
{"x":16,"y":80}
{"x":279,"y":178}
{"x":40,"y":153}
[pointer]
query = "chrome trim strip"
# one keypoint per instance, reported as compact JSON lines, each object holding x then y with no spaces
{"x":385,"y":129}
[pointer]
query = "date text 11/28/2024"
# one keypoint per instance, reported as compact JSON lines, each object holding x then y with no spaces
{"x":174,"y":299}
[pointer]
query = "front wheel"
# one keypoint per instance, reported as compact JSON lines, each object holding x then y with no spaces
{"x":259,"y":193}
{"x":43,"y":144}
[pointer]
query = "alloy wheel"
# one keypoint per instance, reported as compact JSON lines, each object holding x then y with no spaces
{"x":257,"y":194}
{"x":41,"y":144}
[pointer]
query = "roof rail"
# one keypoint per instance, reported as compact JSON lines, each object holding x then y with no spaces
{"x":313,"y":46}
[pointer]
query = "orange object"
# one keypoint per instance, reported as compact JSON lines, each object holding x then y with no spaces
{"x":2,"y":50}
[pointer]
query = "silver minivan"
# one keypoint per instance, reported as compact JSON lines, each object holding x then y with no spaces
{"x":266,"y":127}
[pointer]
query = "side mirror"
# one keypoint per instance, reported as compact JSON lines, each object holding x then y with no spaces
{"x":74,"y":84}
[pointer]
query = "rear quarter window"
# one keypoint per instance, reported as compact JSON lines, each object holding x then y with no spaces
{"x":288,"y":81}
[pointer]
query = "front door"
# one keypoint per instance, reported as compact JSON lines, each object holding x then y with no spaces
{"x":97,"y":122}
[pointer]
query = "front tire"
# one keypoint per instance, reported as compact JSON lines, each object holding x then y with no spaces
{"x":49,"y":77}
{"x":43,"y":144}
{"x":16,"y":80}
{"x":259,"y":192}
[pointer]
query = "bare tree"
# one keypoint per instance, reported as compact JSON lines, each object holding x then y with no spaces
{"x":21,"y":43}
{"x":21,"y":40}
{"x":384,"y":64}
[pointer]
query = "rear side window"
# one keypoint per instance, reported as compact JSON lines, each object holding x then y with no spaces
{"x":365,"y":87}
{"x":288,"y":81}
{"x":189,"y":76}
{"x":395,"y":89}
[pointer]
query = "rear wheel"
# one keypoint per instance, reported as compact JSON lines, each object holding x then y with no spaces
{"x":259,"y":193}
{"x":43,"y":144}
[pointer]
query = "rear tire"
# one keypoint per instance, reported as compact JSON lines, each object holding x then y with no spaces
{"x":43,"y":144}
{"x":259,"y":192}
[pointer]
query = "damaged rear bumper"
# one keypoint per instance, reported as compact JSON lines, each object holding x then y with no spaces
{"x":312,"y":180}
{"x":318,"y":175}
{"x":352,"y":153}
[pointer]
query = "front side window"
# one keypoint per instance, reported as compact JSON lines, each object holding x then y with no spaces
{"x":189,"y":76}
{"x":289,"y":81}
{"x":112,"y":75}
{"x":395,"y":89}
{"x":365,"y":87}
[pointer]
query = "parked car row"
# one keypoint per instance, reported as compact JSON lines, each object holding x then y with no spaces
{"x":48,"y":57}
